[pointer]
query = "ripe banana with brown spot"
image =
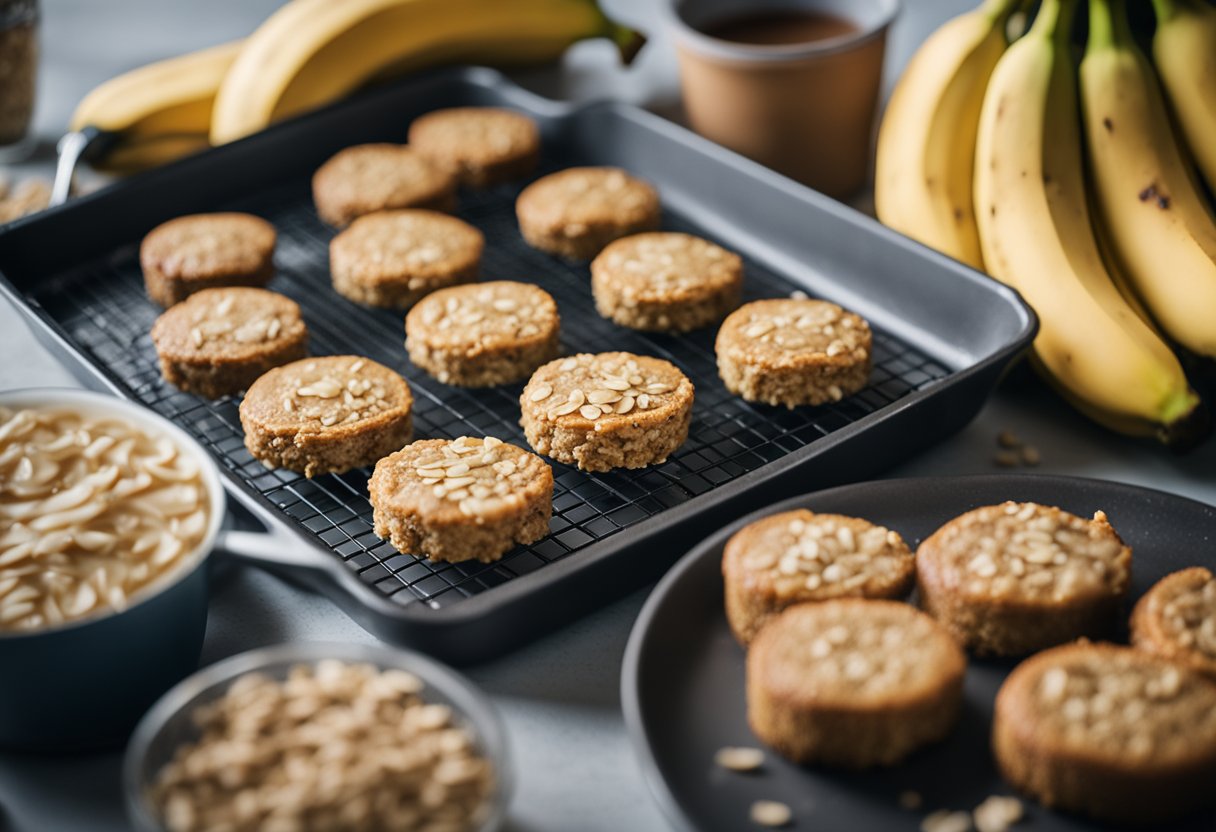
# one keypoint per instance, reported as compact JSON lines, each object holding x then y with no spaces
{"x":1184,"y":49}
{"x":1161,"y":231}
{"x":1036,"y":235}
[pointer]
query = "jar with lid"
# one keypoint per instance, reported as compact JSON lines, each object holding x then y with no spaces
{"x":18,"y":71}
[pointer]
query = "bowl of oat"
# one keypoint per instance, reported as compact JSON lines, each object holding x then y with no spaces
{"x":108,"y":515}
{"x":319,"y":736}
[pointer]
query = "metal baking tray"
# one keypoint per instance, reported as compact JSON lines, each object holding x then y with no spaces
{"x":944,"y":335}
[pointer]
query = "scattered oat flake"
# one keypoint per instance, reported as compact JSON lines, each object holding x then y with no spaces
{"x":910,"y":799}
{"x":944,"y":820}
{"x":997,"y":813}
{"x":771,"y":813}
{"x":1031,"y":455}
{"x":1008,"y":439}
{"x":739,"y":758}
{"x":1005,"y":459}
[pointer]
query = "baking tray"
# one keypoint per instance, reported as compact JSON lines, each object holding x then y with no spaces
{"x":682,"y":685}
{"x":943,"y":337}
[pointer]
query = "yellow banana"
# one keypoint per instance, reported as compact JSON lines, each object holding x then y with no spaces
{"x":926,"y":144}
{"x":1184,"y":48}
{"x":311,"y":52}
{"x":1160,"y":229}
{"x":168,"y":97}
{"x":1036,"y":235}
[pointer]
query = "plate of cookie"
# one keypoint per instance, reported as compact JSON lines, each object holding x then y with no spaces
{"x":943,"y":654}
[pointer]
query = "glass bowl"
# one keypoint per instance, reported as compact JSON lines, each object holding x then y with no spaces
{"x":169,"y":724}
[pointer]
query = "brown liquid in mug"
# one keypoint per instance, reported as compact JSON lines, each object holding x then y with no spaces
{"x":780,"y":28}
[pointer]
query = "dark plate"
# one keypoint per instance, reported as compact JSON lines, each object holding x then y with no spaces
{"x":682,"y":683}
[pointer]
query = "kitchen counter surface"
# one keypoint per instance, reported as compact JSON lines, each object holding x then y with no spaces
{"x":558,"y":696}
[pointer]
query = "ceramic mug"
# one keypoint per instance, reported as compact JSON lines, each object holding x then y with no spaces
{"x":804,"y":109}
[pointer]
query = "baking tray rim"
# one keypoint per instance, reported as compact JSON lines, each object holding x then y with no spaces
{"x":418,"y":613}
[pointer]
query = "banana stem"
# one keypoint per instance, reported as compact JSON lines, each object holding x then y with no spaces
{"x":998,"y":9}
{"x":1165,"y":10}
{"x":1054,"y":20}
{"x":1108,"y":27}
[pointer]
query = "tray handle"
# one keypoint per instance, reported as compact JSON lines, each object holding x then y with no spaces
{"x":269,"y":548}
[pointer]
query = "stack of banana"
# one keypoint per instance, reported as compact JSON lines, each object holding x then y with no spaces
{"x":1080,"y":189}
{"x":312,"y":52}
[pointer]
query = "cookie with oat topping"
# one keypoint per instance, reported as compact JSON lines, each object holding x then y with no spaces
{"x":205,"y":251}
{"x":1176,"y":619}
{"x":1108,"y":731}
{"x":378,"y":177}
{"x":666,"y":281}
{"x":793,"y":352}
{"x":483,"y":334}
{"x":1018,"y":577}
{"x":577,"y":211}
{"x":463,"y":499}
{"x":217,"y":342}
{"x":607,"y":410}
{"x":327,"y":415}
{"x":798,"y":556}
{"x":480,"y":146}
{"x":853,"y":682}
{"x":394,"y":259}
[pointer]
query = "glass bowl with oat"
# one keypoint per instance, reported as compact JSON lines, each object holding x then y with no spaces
{"x":108,"y":515}
{"x":319,"y":736}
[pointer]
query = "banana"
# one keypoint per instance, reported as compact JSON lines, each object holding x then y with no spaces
{"x":168,"y":97}
{"x":926,"y":143}
{"x":311,"y":52}
{"x":1184,"y":48}
{"x":1160,"y":229}
{"x":1036,"y":236}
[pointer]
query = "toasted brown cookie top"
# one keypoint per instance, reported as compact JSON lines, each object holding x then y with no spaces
{"x":784,"y":331}
{"x":1176,"y":619}
{"x":470,"y":140}
{"x":388,"y":245}
{"x":666,"y":266}
{"x":483,"y":316}
{"x":331,"y":392}
{"x":1027,"y":552}
{"x":373,"y":177}
{"x":600,"y":391}
{"x":209,"y":246}
{"x":573,"y":201}
{"x":227,"y":324}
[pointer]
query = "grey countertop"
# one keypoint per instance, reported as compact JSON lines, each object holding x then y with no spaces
{"x":559,"y":696}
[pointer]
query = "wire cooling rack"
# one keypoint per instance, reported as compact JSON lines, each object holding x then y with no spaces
{"x":103,"y":308}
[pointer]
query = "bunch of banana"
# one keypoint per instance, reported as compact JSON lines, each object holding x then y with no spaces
{"x":1117,"y":264}
{"x":1036,"y":235}
{"x":312,"y":52}
{"x":926,"y":143}
{"x":1184,"y":48}
{"x":1161,"y":231}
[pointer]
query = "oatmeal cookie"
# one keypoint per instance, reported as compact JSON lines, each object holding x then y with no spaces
{"x":480,"y":146}
{"x":464,"y":499}
{"x":374,"y":177}
{"x":217,"y":342}
{"x":483,"y":334}
{"x":666,"y":281}
{"x":327,"y":415}
{"x":607,"y":410}
{"x":1176,"y":619}
{"x":205,"y":251}
{"x":578,"y":211}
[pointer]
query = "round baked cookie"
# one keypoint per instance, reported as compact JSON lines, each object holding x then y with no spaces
{"x":1176,"y":619}
{"x":327,"y":415}
{"x":218,"y":341}
{"x":394,"y":259}
{"x":799,"y":556}
{"x":376,"y":177}
{"x":666,"y":281}
{"x":1108,"y":731}
{"x":794,"y":352}
{"x":577,"y":211}
{"x":483,"y":334}
{"x":607,"y":410}
{"x":853,"y":682}
{"x":463,"y":499}
{"x":480,"y":146}
{"x":1018,"y":577}
{"x":203,"y":251}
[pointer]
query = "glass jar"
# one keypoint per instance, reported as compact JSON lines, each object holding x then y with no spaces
{"x":18,"y":71}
